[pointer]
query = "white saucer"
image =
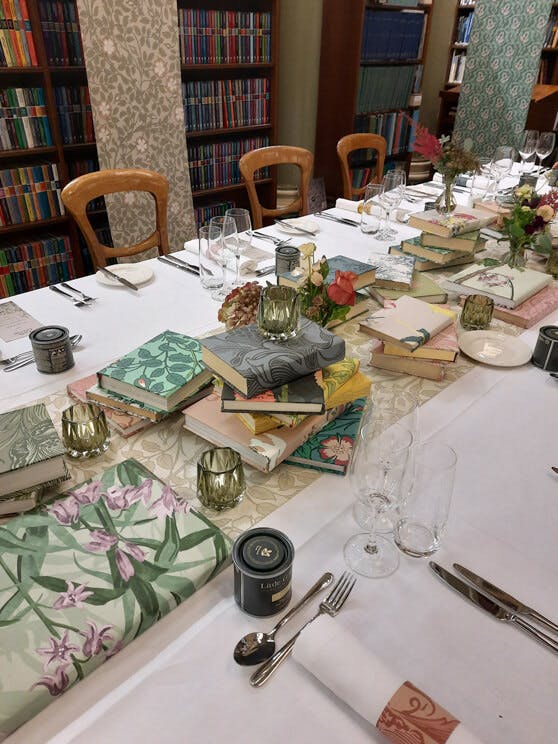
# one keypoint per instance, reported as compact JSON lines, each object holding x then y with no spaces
{"x":496,"y":349}
{"x":305,"y":223}
{"x":136,"y":273}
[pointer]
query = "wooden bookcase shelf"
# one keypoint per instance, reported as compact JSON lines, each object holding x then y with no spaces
{"x":341,"y":66}
{"x":235,"y":187}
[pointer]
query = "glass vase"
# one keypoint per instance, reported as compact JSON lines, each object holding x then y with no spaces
{"x":445,"y":204}
{"x":515,"y":257}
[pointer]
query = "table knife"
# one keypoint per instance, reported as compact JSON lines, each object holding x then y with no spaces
{"x":180,"y":262}
{"x":510,"y":603}
{"x":295,"y":227}
{"x":119,"y":279}
{"x":341,"y":220}
{"x":189,"y":269}
{"x":492,"y":608}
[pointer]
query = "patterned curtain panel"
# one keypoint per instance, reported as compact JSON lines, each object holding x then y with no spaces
{"x":133,"y":70}
{"x":501,"y":68}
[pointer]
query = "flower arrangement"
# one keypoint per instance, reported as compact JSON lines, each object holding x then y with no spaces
{"x":240,"y":307}
{"x":320,"y":301}
{"x":525,"y":228}
{"x":447,"y":158}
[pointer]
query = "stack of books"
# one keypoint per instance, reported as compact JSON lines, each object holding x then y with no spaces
{"x":447,"y":241}
{"x":161,"y":376}
{"x":277,"y":400}
{"x":413,"y":337}
{"x":31,"y":458}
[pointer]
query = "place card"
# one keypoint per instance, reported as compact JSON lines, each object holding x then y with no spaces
{"x":15,"y":322}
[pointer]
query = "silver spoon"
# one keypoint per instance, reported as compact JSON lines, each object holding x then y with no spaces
{"x":254,"y":648}
{"x":29,"y":354}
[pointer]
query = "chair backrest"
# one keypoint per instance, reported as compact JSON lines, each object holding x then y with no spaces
{"x":79,"y":192}
{"x":276,"y":155}
{"x":361,"y":141}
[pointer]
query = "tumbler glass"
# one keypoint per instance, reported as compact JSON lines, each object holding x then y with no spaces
{"x":85,"y":431}
{"x":278,"y":313}
{"x":221,"y":482}
{"x":372,"y":210}
{"x":211,"y":270}
{"x":477,"y":312}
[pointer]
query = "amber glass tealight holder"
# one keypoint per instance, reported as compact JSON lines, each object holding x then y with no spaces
{"x":85,"y":431}
{"x":221,"y":482}
{"x":477,"y":312}
{"x":278,"y":313}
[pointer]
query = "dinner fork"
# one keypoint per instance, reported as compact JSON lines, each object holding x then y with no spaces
{"x":329,"y":606}
{"x":74,"y":300}
{"x":84,"y":297}
{"x":273,"y":239}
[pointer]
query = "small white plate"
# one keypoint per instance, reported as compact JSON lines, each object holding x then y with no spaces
{"x":497,"y":349}
{"x":137,"y":273}
{"x":305,"y":223}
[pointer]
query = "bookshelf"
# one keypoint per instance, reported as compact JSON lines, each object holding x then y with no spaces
{"x":372,"y":56}
{"x":229,"y":51}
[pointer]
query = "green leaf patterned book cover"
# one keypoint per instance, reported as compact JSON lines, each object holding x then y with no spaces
{"x":83,"y":577}
{"x":331,"y":449}
{"x":161,"y":372}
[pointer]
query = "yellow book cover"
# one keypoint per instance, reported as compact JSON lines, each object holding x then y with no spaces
{"x":357,"y":387}
{"x":258,"y":423}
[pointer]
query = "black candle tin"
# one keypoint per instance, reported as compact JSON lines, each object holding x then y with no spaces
{"x":545,"y":355}
{"x":287,"y":258}
{"x":263,"y":560}
{"x":52,"y":349}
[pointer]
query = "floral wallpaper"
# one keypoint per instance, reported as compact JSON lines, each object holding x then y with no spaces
{"x":501,"y":68}
{"x":133,"y":70}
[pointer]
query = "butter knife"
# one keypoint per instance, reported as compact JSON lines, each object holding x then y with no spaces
{"x":119,"y":279}
{"x":189,"y":269}
{"x":180,"y":262}
{"x":341,"y":220}
{"x":511,"y":603}
{"x":295,"y":227}
{"x":492,"y":608}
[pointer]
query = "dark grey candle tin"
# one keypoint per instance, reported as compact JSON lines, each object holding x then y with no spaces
{"x":545,"y":355}
{"x":52,"y":349}
{"x":263,"y":560}
{"x":287,"y":258}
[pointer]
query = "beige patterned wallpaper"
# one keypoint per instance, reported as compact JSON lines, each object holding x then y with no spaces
{"x":133,"y":70}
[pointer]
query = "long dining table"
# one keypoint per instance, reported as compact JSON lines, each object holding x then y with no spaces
{"x":179,"y":682}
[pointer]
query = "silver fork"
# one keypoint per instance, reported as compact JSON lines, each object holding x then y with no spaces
{"x":74,"y":300}
{"x":28,"y":355}
{"x":274,"y":240}
{"x":84,"y":297}
{"x":329,"y":606}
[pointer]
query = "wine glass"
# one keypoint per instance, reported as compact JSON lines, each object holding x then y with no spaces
{"x":502,"y":162}
{"x":527,"y":146}
{"x":243,"y":224}
{"x":223,"y":239}
{"x":545,"y":145}
{"x":393,"y":189}
{"x":376,"y":476}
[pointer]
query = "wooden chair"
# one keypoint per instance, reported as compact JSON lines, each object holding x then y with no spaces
{"x":276,"y":155}
{"x":361,"y":141}
{"x":79,"y":192}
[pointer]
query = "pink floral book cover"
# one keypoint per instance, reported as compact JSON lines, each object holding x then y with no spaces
{"x":84,"y":576}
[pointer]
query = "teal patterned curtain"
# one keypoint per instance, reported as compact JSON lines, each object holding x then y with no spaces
{"x":502,"y":63}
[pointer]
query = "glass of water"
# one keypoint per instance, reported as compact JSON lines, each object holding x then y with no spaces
{"x":372,"y":210}
{"x":243,"y":224}
{"x":211,"y":269}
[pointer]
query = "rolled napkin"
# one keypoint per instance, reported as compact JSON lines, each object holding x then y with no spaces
{"x":350,"y":206}
{"x":397,"y":708}
{"x":252,"y":259}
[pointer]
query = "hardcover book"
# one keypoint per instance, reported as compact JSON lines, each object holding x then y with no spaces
{"x":365,"y":272}
{"x":429,"y":370}
{"x":422,"y":287}
{"x":161,"y":373}
{"x":392,"y":272}
{"x":442,"y":347}
{"x":464,"y":243}
{"x":424,"y":264}
{"x":251,"y":364}
{"x":31,"y":452}
{"x":331,"y":449}
{"x":531,"y":311}
{"x":440,"y":256}
{"x":304,"y":395}
{"x":407,"y":322}
{"x":264,"y":451}
{"x":506,"y":286}
{"x":461,"y":221}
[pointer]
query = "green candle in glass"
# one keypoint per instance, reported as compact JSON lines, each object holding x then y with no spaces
{"x":221,"y":483}
{"x":85,"y":431}
{"x":477,"y":312}
{"x":278,"y":313}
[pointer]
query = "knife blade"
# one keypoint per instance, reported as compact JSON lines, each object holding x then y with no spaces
{"x":492,"y":608}
{"x":189,"y":269}
{"x":510,"y":602}
{"x":180,"y":262}
{"x":341,"y":220}
{"x":295,"y":227}
{"x":119,"y":279}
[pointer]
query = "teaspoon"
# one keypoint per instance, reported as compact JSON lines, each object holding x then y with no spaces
{"x":254,"y":648}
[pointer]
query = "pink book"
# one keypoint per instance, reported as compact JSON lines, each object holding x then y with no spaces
{"x":263,"y":451}
{"x":531,"y":311}
{"x":123,"y":423}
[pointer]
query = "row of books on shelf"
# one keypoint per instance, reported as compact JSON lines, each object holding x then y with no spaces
{"x":397,"y":127}
{"x":216,"y":164}
{"x":17,"y":47}
{"x":464,"y":26}
{"x":382,"y":88}
{"x":36,"y":263}
{"x":74,"y":113}
{"x":23,"y":119}
{"x":60,"y":27}
{"x":551,"y":33}
{"x":457,"y":67}
{"x":219,"y":104}
{"x":30,"y":193}
{"x":81,"y":166}
{"x":224,"y":36}
{"x":393,"y":35}
{"x":204,"y":214}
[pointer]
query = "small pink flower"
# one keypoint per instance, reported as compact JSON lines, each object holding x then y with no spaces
{"x":88,"y":494}
{"x":168,"y":502}
{"x":122,"y":498}
{"x":73,"y":597}
{"x":135,"y":551}
{"x":94,"y":638}
{"x":55,"y":683}
{"x":141,"y":382}
{"x":59,"y":651}
{"x":65,"y":511}
{"x":101,"y":541}
{"x":124,"y":565}
{"x":144,"y":491}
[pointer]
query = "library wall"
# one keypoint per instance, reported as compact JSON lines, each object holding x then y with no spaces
{"x":502,"y":63}
{"x":441,"y":20}
{"x":133,"y":70}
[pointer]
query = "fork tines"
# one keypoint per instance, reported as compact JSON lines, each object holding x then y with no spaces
{"x":342,"y":589}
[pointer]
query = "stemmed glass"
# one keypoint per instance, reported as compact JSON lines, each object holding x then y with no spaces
{"x":391,"y":195}
{"x":243,"y":224}
{"x":545,"y":145}
{"x":377,"y":475}
{"x":502,"y":162}
{"x":224,"y":231}
{"x":527,"y":146}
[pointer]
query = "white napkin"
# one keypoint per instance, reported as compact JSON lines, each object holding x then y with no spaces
{"x":252,"y":259}
{"x":348,"y":205}
{"x":353,"y":674}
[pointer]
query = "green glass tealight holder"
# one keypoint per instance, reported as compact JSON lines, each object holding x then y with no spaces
{"x":85,"y":431}
{"x":221,"y":482}
{"x":278,"y":313}
{"x":477,"y":312}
